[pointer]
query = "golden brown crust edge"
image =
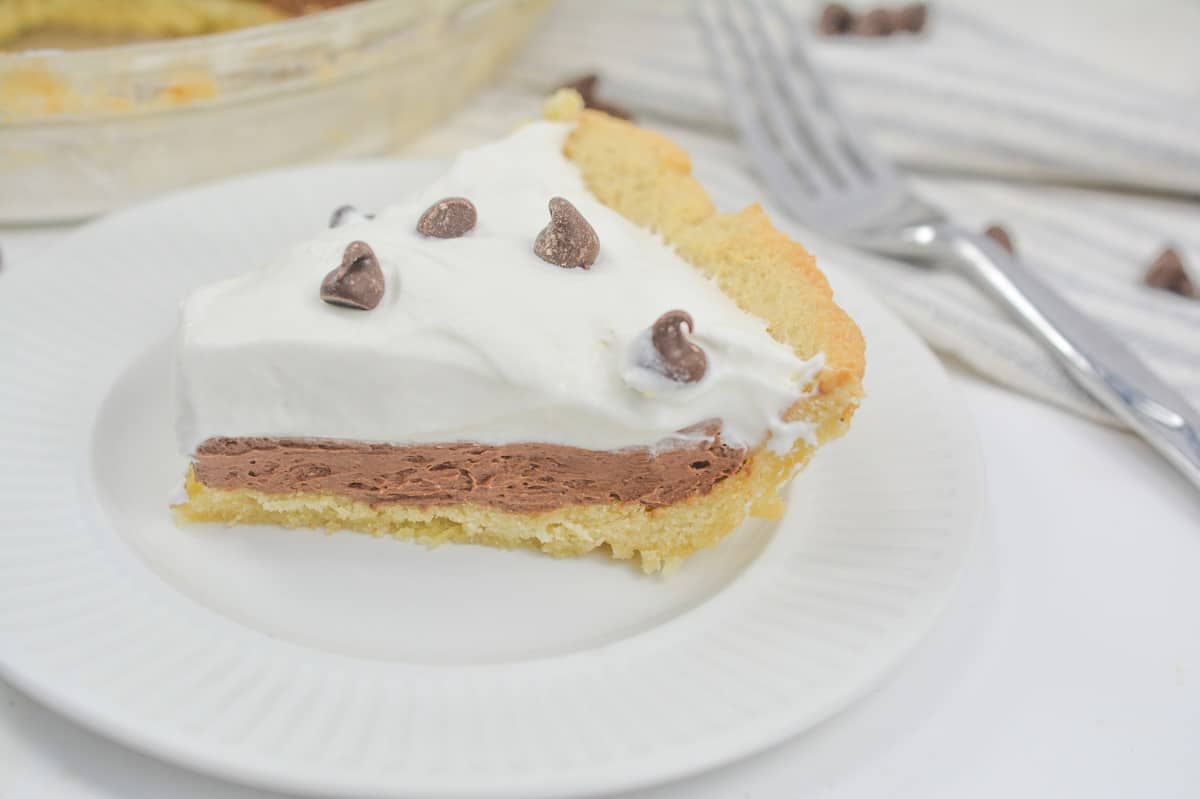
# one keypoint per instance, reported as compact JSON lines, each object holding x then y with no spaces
{"x":647,"y":179}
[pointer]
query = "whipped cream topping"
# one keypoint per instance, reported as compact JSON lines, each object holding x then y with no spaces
{"x":477,"y":338}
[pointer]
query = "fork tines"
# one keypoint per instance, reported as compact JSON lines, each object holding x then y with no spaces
{"x":813,"y":163}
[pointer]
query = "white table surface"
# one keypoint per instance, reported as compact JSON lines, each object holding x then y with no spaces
{"x":1068,"y":666}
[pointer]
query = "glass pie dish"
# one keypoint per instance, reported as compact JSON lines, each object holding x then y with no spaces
{"x":83,"y":131}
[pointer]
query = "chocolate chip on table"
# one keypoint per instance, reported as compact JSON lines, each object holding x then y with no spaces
{"x":679,"y":358}
{"x":911,"y":17}
{"x":344,"y":214}
{"x":568,"y":241}
{"x":1167,"y":272}
{"x":358,"y":282}
{"x":1000,"y":236}
{"x":877,"y":22}
{"x":836,"y":20}
{"x":447,"y":218}
{"x":586,"y":86}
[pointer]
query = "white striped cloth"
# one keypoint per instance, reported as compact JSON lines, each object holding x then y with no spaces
{"x":988,"y":122}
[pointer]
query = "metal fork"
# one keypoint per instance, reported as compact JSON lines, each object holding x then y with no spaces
{"x":829,"y":178}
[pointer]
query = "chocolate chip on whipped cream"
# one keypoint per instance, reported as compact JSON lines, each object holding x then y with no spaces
{"x":358,"y":282}
{"x":346,"y":214}
{"x":568,"y":241}
{"x":1167,"y":272}
{"x":679,"y":358}
{"x":447,"y":218}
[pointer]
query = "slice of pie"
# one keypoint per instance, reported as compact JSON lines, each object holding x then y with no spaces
{"x":559,"y":344}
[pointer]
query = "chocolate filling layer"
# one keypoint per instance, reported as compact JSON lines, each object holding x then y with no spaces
{"x":514,"y":477}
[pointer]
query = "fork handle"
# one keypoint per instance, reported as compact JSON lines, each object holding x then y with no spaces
{"x":1092,"y":356}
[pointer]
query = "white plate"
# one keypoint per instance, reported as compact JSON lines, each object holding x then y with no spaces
{"x":369,"y":667}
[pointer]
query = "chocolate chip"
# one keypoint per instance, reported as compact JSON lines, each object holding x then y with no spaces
{"x":1167,"y":272}
{"x":1000,"y":236}
{"x":358,"y":282}
{"x":678,"y":357}
{"x":447,"y":218}
{"x":836,"y":20}
{"x":911,"y":17}
{"x":568,"y":241}
{"x":345,"y":214}
{"x":874,"y":23}
{"x":586,"y":86}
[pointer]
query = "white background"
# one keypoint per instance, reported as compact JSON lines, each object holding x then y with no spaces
{"x":1069,"y":664}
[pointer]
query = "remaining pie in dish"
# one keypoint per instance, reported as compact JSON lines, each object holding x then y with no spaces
{"x":558,"y":344}
{"x":26,"y":24}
